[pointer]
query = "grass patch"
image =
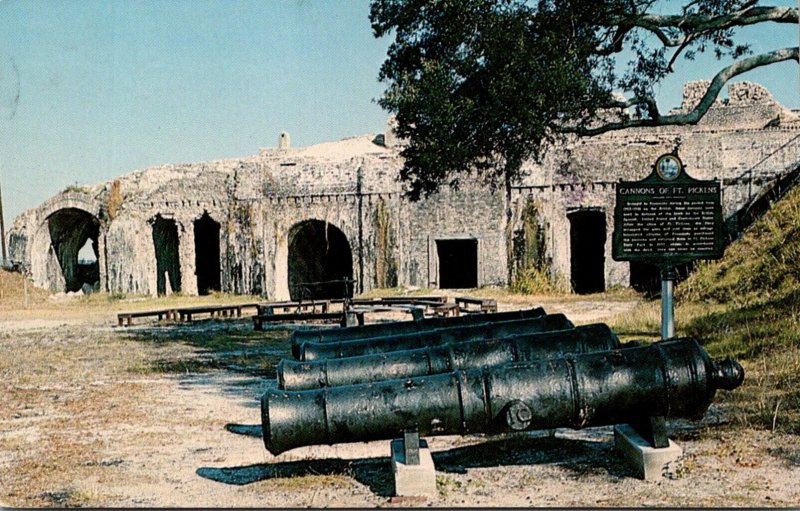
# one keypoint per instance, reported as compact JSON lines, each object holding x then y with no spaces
{"x":763,"y":337}
{"x":445,"y":485}
{"x":534,"y":281}
{"x":760,"y":267}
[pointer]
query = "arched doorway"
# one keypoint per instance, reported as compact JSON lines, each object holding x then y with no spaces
{"x":73,"y":237}
{"x":168,"y":264}
{"x":587,"y":238}
{"x":206,"y":253}
{"x":318,"y":254}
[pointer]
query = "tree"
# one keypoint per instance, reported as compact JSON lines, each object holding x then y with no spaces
{"x":484,"y":85}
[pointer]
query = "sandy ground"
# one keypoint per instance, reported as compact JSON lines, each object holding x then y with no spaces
{"x":165,"y":416}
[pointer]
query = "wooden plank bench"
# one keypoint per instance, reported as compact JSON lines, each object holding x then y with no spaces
{"x":187,"y":313}
{"x":398,"y":301}
{"x":485,"y":304}
{"x":124,"y":318}
{"x":414,"y":300}
{"x":287,"y":306}
{"x":447,"y":309}
{"x":415,"y":311}
{"x":260,"y":319}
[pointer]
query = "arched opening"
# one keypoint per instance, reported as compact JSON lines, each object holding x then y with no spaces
{"x":73,"y":236}
{"x":206,"y":253}
{"x":587,"y":238}
{"x":168,"y":265}
{"x":458,"y":263}
{"x":318,"y":254}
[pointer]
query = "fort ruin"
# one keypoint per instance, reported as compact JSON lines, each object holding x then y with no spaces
{"x":264,"y":224}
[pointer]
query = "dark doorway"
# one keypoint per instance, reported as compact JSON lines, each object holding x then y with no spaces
{"x":319,"y":254}
{"x":73,"y":232}
{"x":206,"y":254}
{"x":587,"y":243}
{"x":458,"y":263}
{"x":645,"y":278}
{"x":168,"y":265}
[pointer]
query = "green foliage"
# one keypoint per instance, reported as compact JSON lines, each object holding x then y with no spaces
{"x":757,"y":287}
{"x":477,"y":84}
{"x":484,"y":85}
{"x":763,"y":265}
{"x":531,"y":268}
{"x":533,"y":281}
{"x":385,"y":262}
{"x":528,"y":243}
{"x":766,"y":337}
{"x":74,"y":188}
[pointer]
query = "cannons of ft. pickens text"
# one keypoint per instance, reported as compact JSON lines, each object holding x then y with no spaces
{"x":295,"y":375}
{"x":341,"y":349}
{"x":674,"y":378}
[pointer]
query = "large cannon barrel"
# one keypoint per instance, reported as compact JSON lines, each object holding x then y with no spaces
{"x":294,"y":375}
{"x":405,"y":327}
{"x":340,"y":349}
{"x":674,"y":378}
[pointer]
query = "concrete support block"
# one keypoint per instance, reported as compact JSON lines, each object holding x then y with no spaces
{"x":413,"y":480}
{"x":649,"y":462}
{"x":351,"y":319}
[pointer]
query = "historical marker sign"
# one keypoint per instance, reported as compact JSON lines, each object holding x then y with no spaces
{"x":667,"y":218}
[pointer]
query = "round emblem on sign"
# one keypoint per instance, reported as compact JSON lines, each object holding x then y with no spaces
{"x":668,"y":167}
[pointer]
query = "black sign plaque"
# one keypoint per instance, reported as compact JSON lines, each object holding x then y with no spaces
{"x":667,"y":218}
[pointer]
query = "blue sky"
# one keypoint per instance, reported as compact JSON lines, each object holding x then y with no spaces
{"x":94,"y":89}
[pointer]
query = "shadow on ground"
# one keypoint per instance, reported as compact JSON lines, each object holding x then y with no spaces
{"x":579,"y":456}
{"x":227,"y":354}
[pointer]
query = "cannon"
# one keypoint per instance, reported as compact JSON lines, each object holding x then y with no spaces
{"x":673,"y":378}
{"x":405,"y":327}
{"x":294,"y":375}
{"x":339,"y":349}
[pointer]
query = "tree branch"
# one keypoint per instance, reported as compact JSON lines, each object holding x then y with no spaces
{"x":693,"y":24}
{"x":692,"y":117}
{"x":685,"y":44}
{"x":699,"y":22}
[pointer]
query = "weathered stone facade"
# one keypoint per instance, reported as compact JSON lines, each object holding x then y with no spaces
{"x":336,"y":210}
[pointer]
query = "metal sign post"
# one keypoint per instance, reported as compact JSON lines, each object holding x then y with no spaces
{"x":667,"y":304}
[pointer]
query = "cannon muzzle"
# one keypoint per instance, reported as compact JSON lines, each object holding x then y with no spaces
{"x":674,"y":378}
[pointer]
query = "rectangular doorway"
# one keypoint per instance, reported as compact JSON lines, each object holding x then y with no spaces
{"x":458,"y":263}
{"x":587,"y":244}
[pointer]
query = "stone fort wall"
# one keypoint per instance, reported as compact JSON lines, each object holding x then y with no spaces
{"x":259,"y":201}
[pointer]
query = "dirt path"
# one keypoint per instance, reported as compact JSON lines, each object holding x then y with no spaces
{"x":108,"y":417}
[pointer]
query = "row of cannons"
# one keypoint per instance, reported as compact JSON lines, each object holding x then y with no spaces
{"x":483,"y":374}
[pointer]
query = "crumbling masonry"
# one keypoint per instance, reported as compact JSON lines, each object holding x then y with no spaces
{"x":264,"y":224}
